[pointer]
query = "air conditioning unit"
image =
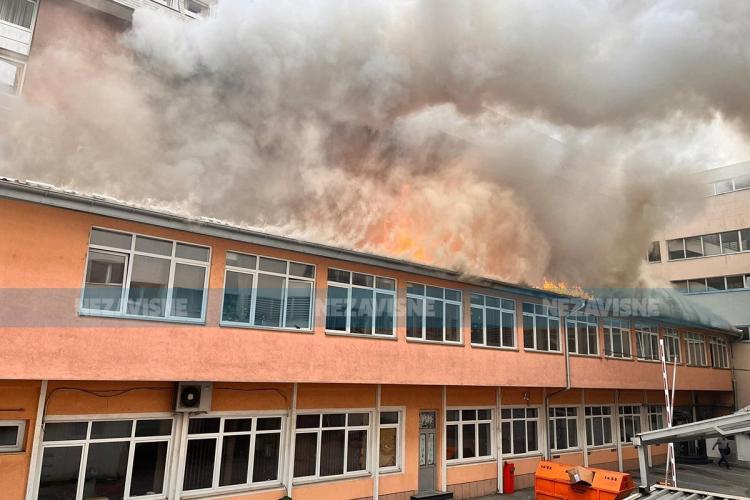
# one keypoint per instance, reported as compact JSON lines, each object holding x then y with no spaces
{"x":193,"y":397}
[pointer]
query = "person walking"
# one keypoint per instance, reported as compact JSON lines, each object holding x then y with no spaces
{"x":724,"y":450}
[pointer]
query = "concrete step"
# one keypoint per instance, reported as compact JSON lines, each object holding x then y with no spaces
{"x":433,"y":495}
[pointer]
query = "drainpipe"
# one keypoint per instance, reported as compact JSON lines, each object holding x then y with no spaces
{"x":376,"y":451}
{"x":290,"y":453}
{"x":499,"y":434}
{"x":443,"y":444}
{"x":35,"y":462}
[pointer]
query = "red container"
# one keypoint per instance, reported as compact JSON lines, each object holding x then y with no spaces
{"x":509,"y":482}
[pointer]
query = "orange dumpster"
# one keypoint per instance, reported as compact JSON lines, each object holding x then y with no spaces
{"x":560,"y":481}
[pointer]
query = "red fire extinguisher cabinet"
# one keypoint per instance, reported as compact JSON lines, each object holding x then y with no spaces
{"x":509,"y":483}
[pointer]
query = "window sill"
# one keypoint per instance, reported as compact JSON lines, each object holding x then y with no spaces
{"x":390,"y":471}
{"x":644,"y":360}
{"x":230,"y":492}
{"x":585,"y":355}
{"x":158,"y":319}
{"x":225,"y":324}
{"x":602,"y":447}
{"x":458,"y":462}
{"x":314,"y":480}
{"x":540,"y":351}
{"x":435,"y":342}
{"x":566,"y":451}
{"x":617,"y":358}
{"x":534,"y":454}
{"x":336,"y":333}
{"x":496,"y":348}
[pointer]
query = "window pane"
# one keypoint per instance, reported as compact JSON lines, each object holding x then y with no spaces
{"x":301,"y":270}
{"x":384,"y":314}
{"x":696,"y":286}
{"x":469,"y":436}
{"x":332,"y":453}
{"x":531,"y":436}
{"x":519,"y":437}
{"x":111,"y":239}
{"x":435,"y":292}
{"x":676,"y":249}
{"x":266,"y":460}
{"x":361,"y":311}
{"x":268,"y":302}
{"x":356,"y":456}
{"x":272,"y":265}
{"x":149,"y":464}
{"x":452,"y":322}
{"x":745,"y":239}
{"x":336,"y":308}
{"x":148,"y":286}
{"x":485,"y":440}
{"x":554,"y":334}
{"x":742,"y":182}
{"x":542,"y":334}
{"x":308,"y":421}
{"x":654,"y":252}
{"x":454,"y":295}
{"x":111,"y":429}
{"x":339,"y":276}
{"x":59,"y":474}
{"x":187,"y":295}
{"x":238,"y":424}
{"x":561,"y":434}
{"x":414,"y":288}
{"x":434,"y":321}
{"x":305,"y":452}
{"x":389,"y":417}
{"x":493,"y":328}
{"x":153,"y":428}
{"x":725,"y":186}
{"x":191,"y":252}
{"x":734,"y":282}
{"x":238,"y":293}
{"x":451,"y":439}
{"x":711,"y":244}
{"x":385,"y":283}
{"x":298,"y":304}
{"x":716,"y":283}
{"x":241,"y":260}
{"x":64,"y":431}
{"x":388,"y":447}
{"x":730,"y":242}
{"x":8,"y":434}
{"x":505,"y":447}
{"x":235,"y":457}
{"x":414,"y":317}
{"x":477,"y":329}
{"x":105,"y":277}
{"x":199,"y":464}
{"x":106,"y":468}
{"x":693,"y":247}
{"x":334,"y":420}
{"x":269,"y":424}
{"x":509,"y":334}
{"x":203,"y":425}
{"x":152,"y":245}
{"x":358,"y":419}
{"x":363,"y":280}
{"x":528,"y":332}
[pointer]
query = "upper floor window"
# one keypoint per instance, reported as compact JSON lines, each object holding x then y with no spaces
{"x":541,"y":327}
{"x":493,"y":321}
{"x":727,"y":242}
{"x":468,"y":434}
{"x":695,"y":344}
{"x":226,"y":452}
{"x":433,"y":313}
{"x":267,"y":292}
{"x":672,"y":345}
{"x":12,"y":433}
{"x":630,"y":422}
{"x":331,"y":444}
{"x":719,"y":352}
{"x":654,"y":252}
{"x":563,"y":428}
{"x":616,"y":338}
{"x":655,"y":417}
{"x":713,"y":284}
{"x":18,"y":12}
{"x":598,"y":425}
{"x":728,"y":185}
{"x":126,"y":458}
{"x":520,"y":428}
{"x":141,"y":276}
{"x":360,"y":303}
{"x":196,"y":8}
{"x":647,"y":342}
{"x":583,"y":334}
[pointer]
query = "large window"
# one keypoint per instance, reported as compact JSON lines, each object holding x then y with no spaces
{"x":493,"y":321}
{"x":390,"y":440}
{"x":331,"y":444}
{"x":468,"y":434}
{"x":520,"y":428}
{"x":231,"y":452}
{"x":12,"y":434}
{"x":695,"y":345}
{"x":18,"y":12}
{"x":140,"y":276}
{"x":647,"y":342}
{"x":541,"y":327}
{"x":268,"y":293}
{"x":433,"y":313}
{"x":719,"y":352}
{"x":672,"y":345}
{"x":706,"y":245}
{"x":616,"y":338}
{"x":655,"y":417}
{"x":105,"y":459}
{"x":713,"y":284}
{"x":630,"y":422}
{"x":654,"y":252}
{"x":563,"y":428}
{"x":583,"y":334}
{"x":598,"y":425}
{"x":360,"y":303}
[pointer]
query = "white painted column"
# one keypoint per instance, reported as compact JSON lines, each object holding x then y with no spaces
{"x":289,"y":458}
{"x":175,"y":474}
{"x":443,"y":444}
{"x":35,"y":462}
{"x":499,"y":434}
{"x":543,"y":420}
{"x":376,"y":451}
{"x":582,"y":424}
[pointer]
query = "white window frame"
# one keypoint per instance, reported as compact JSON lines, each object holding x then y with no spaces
{"x":346,"y":428}
{"x":375,"y":290}
{"x":400,"y":441}
{"x":591,"y":419}
{"x":653,"y":412}
{"x":460,"y":423}
{"x":646,"y":338}
{"x":720,"y":350}
{"x":255,"y":273}
{"x":424,"y":298}
{"x":20,"y":74}
{"x":20,"y":426}
{"x":33,"y":19}
{"x":548,"y":314}
{"x":552,"y":430}
{"x":502,"y":309}
{"x":219,"y":438}
{"x":580,"y":324}
{"x":621,"y":327}
{"x":526,"y":419}
{"x":672,"y":345}
{"x":84,"y":443}
{"x":694,"y":341}
{"x":635,"y":418}
{"x":192,"y":14}
{"x":129,"y":255}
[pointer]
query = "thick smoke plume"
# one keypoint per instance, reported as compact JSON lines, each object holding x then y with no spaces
{"x":513,"y":139}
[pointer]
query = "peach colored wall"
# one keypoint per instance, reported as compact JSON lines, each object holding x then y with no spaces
{"x":19,"y":402}
{"x":468,"y":473}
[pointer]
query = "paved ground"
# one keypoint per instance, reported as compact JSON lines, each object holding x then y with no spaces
{"x":735,"y":481}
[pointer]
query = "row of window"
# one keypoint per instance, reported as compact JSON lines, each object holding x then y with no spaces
{"x":729,"y":185}
{"x":713,"y":284}
{"x":706,"y":245}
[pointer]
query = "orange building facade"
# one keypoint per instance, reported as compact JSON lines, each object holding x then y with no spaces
{"x":322,"y":372}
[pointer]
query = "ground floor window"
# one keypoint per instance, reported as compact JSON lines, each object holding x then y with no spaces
{"x":331,"y":444}
{"x":225,"y":452}
{"x":563,"y":428}
{"x":630,"y":422}
{"x":598,"y":425}
{"x":468,"y":434}
{"x":105,"y":458}
{"x":520,"y":429}
{"x":12,"y":433}
{"x":655,"y":417}
{"x":390,"y":440}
